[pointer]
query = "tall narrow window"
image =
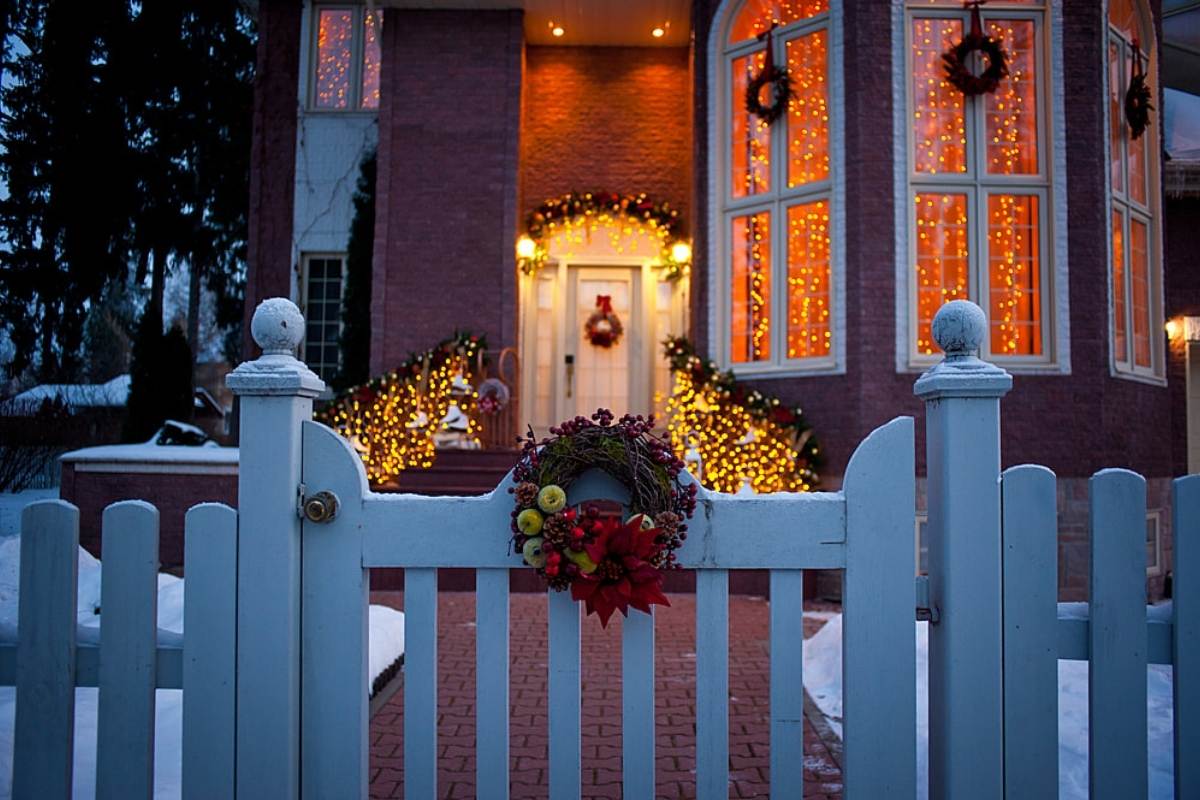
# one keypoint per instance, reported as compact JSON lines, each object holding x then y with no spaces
{"x":774,"y":275}
{"x":345,"y":58}
{"x":322,"y":305}
{"x":979,"y":186}
{"x":1136,"y":291}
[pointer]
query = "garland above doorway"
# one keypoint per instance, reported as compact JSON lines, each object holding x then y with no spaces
{"x":619,"y":210}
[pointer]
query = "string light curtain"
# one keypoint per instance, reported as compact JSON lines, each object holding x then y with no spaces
{"x":777,"y":270}
{"x":347,"y":58}
{"x":979,"y":185}
{"x":1136,"y":287}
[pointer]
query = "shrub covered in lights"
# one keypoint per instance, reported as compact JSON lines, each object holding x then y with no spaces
{"x":730,"y":435}
{"x":392,"y":420}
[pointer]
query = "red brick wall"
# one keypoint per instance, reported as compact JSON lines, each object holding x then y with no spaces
{"x":273,"y":158}
{"x":446,"y":212}
{"x":1075,"y":423}
{"x":611,"y":118}
{"x":172,"y":495}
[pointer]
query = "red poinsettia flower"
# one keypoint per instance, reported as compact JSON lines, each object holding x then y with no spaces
{"x":624,"y":575}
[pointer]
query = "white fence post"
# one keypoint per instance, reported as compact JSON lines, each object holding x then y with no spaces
{"x":1185,"y":527}
{"x":962,"y":439}
{"x":276,"y":394}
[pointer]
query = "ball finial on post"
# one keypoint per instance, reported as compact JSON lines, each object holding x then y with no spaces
{"x":958,"y":328}
{"x":278,"y":326}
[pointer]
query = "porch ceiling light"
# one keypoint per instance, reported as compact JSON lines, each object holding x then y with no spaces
{"x":525,"y":247}
{"x":681,"y":252}
{"x":658,"y":32}
{"x":557,"y":30}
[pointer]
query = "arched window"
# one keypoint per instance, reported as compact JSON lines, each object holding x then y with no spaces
{"x":1136,"y":278}
{"x":980,"y":209}
{"x":775,"y":278}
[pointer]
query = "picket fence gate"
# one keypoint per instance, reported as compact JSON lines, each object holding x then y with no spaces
{"x":274,"y":660}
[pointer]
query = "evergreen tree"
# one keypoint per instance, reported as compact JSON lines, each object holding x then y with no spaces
{"x":160,"y":379}
{"x":355,"y":341}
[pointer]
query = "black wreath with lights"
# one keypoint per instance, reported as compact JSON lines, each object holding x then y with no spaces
{"x":1137,"y":97}
{"x":957,"y":60}
{"x":777,"y":79}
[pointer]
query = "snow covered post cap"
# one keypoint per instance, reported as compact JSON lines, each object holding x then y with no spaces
{"x":959,"y":328}
{"x":277,"y":327}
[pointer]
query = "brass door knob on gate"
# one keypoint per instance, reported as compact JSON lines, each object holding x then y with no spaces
{"x":321,"y":507}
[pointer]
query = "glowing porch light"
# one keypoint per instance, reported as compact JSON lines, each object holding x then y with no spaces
{"x":658,"y":32}
{"x":557,"y":30}
{"x":1174,"y":329}
{"x":525,"y":247}
{"x":681,"y":252}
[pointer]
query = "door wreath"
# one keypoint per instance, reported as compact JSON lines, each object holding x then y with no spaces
{"x":603,"y":328}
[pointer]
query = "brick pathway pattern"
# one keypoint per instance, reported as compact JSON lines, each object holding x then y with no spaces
{"x":675,"y":699}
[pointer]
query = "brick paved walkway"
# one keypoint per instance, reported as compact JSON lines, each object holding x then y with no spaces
{"x":601,"y":735}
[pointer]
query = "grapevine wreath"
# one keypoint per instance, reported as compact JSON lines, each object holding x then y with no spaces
{"x":957,"y":60}
{"x":608,"y":563}
{"x":603,"y":328}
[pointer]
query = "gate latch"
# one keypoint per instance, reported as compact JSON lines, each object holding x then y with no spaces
{"x":925,"y":610}
{"x":319,"y":507}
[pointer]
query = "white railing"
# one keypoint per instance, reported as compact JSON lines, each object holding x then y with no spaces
{"x":273,"y":662}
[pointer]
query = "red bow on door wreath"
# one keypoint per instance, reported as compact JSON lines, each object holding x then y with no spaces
{"x":957,"y":59}
{"x":603,"y":327}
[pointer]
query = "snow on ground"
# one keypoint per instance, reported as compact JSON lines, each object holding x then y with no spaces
{"x":386,"y":637}
{"x":823,"y":680}
{"x":11,"y":504}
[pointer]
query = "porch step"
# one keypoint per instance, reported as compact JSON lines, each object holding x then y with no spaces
{"x":457,"y":472}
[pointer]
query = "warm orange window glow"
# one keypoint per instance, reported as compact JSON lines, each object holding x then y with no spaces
{"x":335,"y":57}
{"x":757,"y":16}
{"x":1137,"y":168}
{"x":751,"y":141}
{"x":1014,"y":275}
{"x":1139,"y":274}
{"x":750,"y":254}
{"x":942,"y":259}
{"x":1011,"y":112}
{"x":372,"y":20}
{"x":939,"y":126}
{"x":1120,"y":342}
{"x":808,"y":281}
{"x":1116,"y":116}
{"x":808,"y":112}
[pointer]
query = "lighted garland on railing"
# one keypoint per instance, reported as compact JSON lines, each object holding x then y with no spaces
{"x":392,"y":420}
{"x":617,"y":211}
{"x":733,"y":436}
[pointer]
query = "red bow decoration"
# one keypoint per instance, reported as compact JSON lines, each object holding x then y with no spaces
{"x":604,"y":303}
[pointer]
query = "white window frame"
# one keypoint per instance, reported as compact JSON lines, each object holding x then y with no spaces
{"x":723,"y":207}
{"x":1155,"y":568}
{"x":977,"y":185}
{"x":305,"y":262}
{"x":1149,"y":213}
{"x":357,"y":54}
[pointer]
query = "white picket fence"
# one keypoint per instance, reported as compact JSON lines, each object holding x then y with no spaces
{"x":273,"y":662}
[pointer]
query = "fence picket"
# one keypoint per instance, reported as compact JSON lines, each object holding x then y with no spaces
{"x":637,"y":705}
{"x":209,"y":650}
{"x":128,"y":650}
{"x":712,"y":684}
{"x":1117,"y":634}
{"x":420,"y":682}
{"x":491,"y":683}
{"x":564,"y":700}
{"x":787,"y":683}
{"x":1185,"y":525}
{"x":45,"y":715}
{"x":1030,"y":562}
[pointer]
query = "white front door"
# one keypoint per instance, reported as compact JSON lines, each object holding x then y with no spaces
{"x":596,"y":376}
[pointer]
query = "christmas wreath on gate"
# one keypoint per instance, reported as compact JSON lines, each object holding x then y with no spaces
{"x":775,"y":77}
{"x":957,"y":60}
{"x":603,"y":328}
{"x":609,"y":563}
{"x":1137,"y":97}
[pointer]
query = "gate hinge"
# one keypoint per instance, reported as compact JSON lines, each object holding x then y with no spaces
{"x":301,"y":491}
{"x":925,"y":611}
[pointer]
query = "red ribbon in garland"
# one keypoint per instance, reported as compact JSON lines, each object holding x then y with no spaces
{"x":604,"y":303}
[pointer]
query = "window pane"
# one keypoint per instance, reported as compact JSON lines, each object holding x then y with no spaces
{"x":1137,"y":165}
{"x":939,"y":133}
{"x":808,"y":280}
{"x":1140,"y":279}
{"x":1116,"y":115}
{"x":1011,"y":111}
{"x":335,"y":39}
{"x":750,"y":251}
{"x":751,"y":139}
{"x":808,"y":114}
{"x":757,"y":16}
{"x":1014,"y":275}
{"x":1120,"y":343}
{"x":323,"y":308}
{"x":372,"y":20}
{"x":1124,"y":17}
{"x":941,"y":268}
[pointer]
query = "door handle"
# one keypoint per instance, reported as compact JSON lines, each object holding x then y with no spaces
{"x":569,"y":360}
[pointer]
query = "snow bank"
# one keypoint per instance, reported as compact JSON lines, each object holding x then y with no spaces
{"x":823,"y":680}
{"x":386,"y":637}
